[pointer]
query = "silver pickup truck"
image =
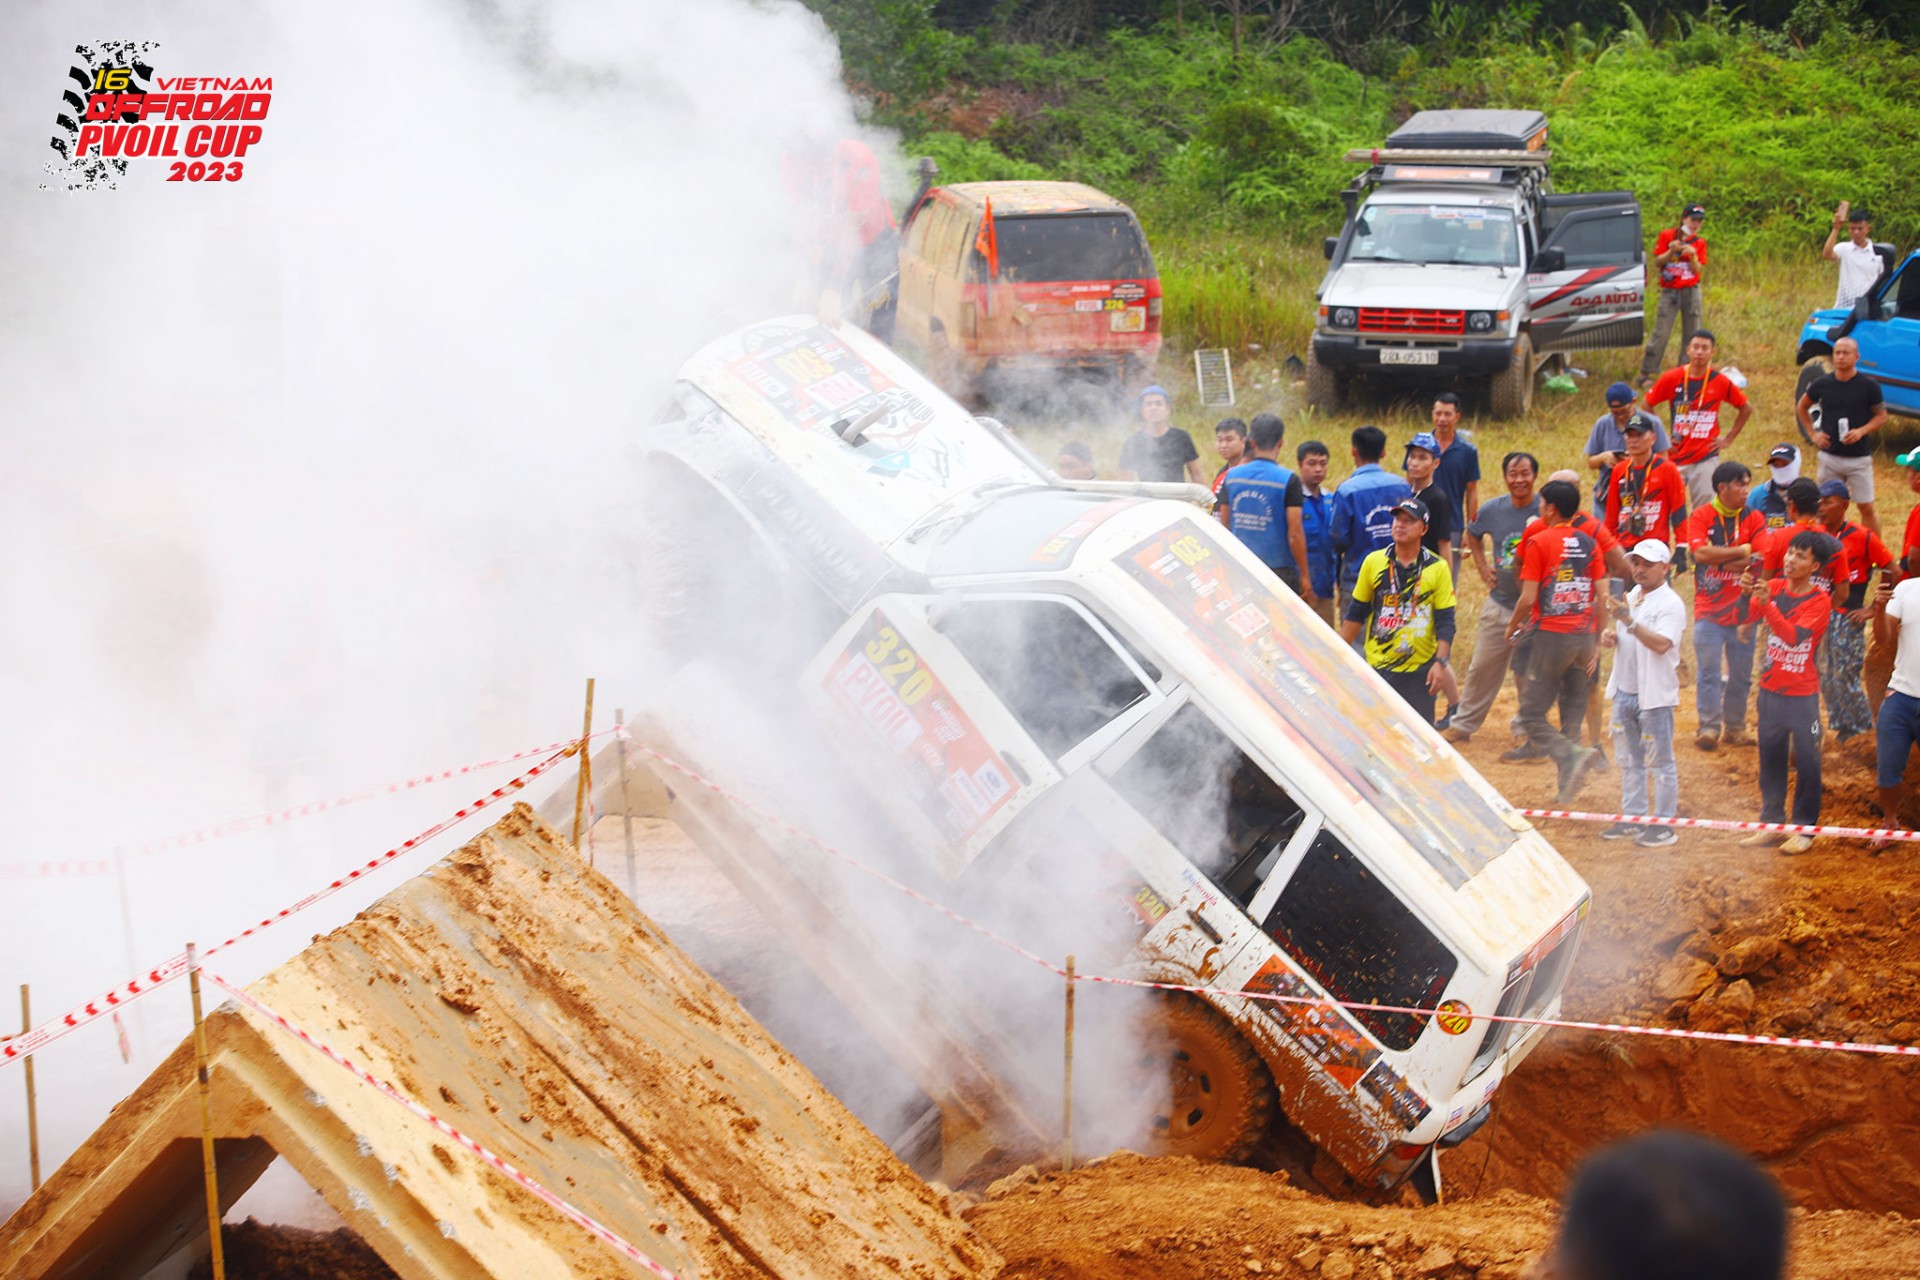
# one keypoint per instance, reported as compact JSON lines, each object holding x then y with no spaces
{"x":1460,"y":263}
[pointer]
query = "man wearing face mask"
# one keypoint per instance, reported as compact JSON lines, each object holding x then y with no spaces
{"x":1770,"y":498}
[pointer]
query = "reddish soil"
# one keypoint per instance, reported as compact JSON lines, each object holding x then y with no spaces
{"x":1713,"y":936}
{"x":1129,"y":1218}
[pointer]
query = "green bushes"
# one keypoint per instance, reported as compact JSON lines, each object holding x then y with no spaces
{"x":1767,"y":135}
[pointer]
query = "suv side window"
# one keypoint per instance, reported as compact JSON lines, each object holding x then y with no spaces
{"x":1599,"y":242}
{"x":1359,"y":941}
{"x":1211,"y":801}
{"x":1061,"y":678}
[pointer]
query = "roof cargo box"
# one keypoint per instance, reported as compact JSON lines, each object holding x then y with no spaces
{"x":1472,"y":130}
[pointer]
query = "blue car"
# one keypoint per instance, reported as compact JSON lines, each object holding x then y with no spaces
{"x":1886,"y":324}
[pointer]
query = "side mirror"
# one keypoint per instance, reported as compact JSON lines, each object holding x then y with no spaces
{"x":1328,"y":245}
{"x":1550,"y":260}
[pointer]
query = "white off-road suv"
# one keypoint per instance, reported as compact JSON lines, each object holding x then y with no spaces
{"x":1458,"y":261}
{"x":1092,"y":698}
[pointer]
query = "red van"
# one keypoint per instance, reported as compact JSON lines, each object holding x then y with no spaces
{"x":1044,"y":275}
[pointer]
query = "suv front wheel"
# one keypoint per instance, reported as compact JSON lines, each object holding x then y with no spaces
{"x":1511,"y":392}
{"x":1213,"y":1097}
{"x":1326,"y":389}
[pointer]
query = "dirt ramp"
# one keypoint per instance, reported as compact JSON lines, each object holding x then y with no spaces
{"x":518,"y":995}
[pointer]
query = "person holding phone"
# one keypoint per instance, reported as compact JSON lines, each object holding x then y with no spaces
{"x":1680,"y":260}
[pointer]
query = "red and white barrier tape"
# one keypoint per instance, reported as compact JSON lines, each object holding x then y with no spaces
{"x":25,"y":1044}
{"x":1674,"y":1033}
{"x":239,"y":826}
{"x":553,"y":1201}
{"x":1715,"y":824}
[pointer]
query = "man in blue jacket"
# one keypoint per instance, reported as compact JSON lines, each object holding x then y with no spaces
{"x":1260,"y":501}
{"x":1316,"y":521}
{"x":1363,"y":506}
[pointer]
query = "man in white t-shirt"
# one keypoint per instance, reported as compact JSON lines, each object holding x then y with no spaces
{"x":1896,"y":621}
{"x":1859,"y":265}
{"x":1645,"y":687}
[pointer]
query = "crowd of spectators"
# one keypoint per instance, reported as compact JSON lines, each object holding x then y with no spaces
{"x":1788,"y":590}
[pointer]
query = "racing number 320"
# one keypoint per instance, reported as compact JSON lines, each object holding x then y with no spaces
{"x":1189,"y":550}
{"x":899,"y":666}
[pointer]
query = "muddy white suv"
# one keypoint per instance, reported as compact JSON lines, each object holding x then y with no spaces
{"x":1091,"y":698}
{"x":1459,"y":261}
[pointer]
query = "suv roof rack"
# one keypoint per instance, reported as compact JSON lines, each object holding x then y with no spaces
{"x":1504,"y":158}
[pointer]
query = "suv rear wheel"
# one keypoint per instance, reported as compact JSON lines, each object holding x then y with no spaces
{"x":1213,"y":1097}
{"x":1326,"y":389}
{"x":1512,"y":392}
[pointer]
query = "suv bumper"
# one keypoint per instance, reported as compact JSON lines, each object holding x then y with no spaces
{"x":1349,"y":353}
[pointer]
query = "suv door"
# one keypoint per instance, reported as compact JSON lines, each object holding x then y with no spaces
{"x":1890,"y":347}
{"x":916,"y":273}
{"x":1593,"y":295}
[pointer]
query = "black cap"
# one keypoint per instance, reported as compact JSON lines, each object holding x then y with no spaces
{"x":1694,"y":211}
{"x":1415,"y":508}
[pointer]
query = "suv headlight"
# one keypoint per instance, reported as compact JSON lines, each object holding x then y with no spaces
{"x":1345,"y":318}
{"x":1480,"y":321}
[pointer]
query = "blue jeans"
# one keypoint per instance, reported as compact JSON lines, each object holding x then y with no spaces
{"x":1721,"y":698}
{"x":1643,"y":748}
{"x":1898,"y":730}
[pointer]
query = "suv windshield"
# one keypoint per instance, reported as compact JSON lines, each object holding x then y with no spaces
{"x":1080,"y":246}
{"x":1465,"y":235}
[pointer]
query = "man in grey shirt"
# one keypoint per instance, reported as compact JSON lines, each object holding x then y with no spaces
{"x":1502,"y":520}
{"x":1607,"y":442}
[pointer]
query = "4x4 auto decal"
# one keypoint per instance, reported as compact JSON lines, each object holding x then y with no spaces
{"x":958,"y":779}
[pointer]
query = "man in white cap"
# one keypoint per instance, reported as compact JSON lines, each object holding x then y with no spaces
{"x":1645,"y":687}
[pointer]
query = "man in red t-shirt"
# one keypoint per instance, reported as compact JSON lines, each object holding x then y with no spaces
{"x":1561,"y":577}
{"x":1724,"y":537}
{"x":1696,"y":390}
{"x":1680,"y":258}
{"x":1848,"y":714}
{"x":1803,"y":512}
{"x":1795,"y":613}
{"x":1646,"y":496}
{"x":1614,"y":556}
{"x":1910,"y":540}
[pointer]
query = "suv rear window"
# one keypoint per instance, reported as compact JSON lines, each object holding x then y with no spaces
{"x":1080,"y":246}
{"x":1360,"y":942}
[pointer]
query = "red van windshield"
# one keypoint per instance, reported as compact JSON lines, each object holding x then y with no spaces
{"x":1079,"y":246}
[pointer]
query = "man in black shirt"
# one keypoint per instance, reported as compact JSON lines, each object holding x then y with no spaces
{"x":1159,"y":450}
{"x":1423,"y":459}
{"x":1851,"y":410}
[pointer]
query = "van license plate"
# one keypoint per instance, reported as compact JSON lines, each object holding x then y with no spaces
{"x":1409,"y":355}
{"x":1132,"y":320}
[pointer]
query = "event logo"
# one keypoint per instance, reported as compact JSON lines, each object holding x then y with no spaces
{"x":119,"y":111}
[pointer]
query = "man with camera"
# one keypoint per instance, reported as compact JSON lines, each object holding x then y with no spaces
{"x":1646,"y":495}
{"x":1680,"y":257}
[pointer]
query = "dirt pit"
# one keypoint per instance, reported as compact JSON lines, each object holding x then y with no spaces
{"x":256,"y":1250}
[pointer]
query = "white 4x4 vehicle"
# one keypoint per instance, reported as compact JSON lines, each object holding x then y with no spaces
{"x":1463,"y":263}
{"x":1093,"y":698}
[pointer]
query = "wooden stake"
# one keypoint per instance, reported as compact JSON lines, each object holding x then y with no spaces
{"x":1066,"y":1124}
{"x":33,"y":1114}
{"x":206,"y":1118}
{"x":626,"y":804}
{"x":586,"y":774}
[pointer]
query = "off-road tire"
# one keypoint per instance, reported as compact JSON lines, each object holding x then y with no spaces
{"x":1511,"y":393}
{"x":1216,"y":1097}
{"x":707,"y":586}
{"x":1812,"y":371}
{"x":1326,"y":389}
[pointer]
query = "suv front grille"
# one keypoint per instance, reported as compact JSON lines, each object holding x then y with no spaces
{"x":1411,"y":320}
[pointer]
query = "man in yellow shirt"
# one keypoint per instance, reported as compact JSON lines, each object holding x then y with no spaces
{"x":1403,"y":599}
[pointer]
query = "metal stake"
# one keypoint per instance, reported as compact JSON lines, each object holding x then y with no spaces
{"x":33,"y":1113}
{"x":206,"y":1117}
{"x":586,"y":774}
{"x":1066,"y":1120}
{"x":626,"y":803}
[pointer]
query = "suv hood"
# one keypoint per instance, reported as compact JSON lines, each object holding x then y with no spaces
{"x":1402,"y":284}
